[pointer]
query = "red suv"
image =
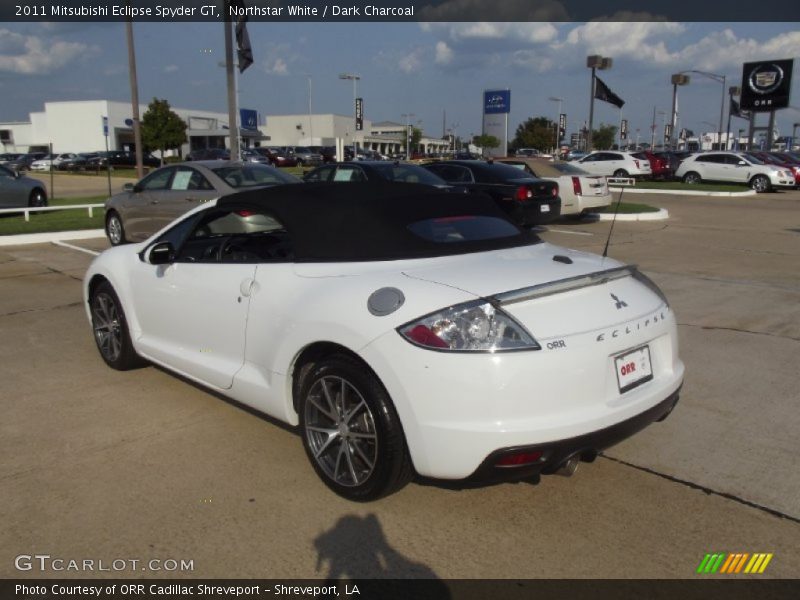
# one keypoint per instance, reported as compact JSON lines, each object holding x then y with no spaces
{"x":659,"y":165}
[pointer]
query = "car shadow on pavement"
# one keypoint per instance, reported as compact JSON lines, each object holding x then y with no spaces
{"x":356,"y":549}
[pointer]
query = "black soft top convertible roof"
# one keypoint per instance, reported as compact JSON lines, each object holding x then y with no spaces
{"x":369,"y":221}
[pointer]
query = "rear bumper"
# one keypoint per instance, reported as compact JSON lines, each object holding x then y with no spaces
{"x":536,"y":211}
{"x":586,"y":447}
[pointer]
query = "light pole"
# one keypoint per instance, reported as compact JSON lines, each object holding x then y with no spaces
{"x":408,"y":117}
{"x":355,"y":79}
{"x":594,"y":62}
{"x":310,"y":126}
{"x":677,"y":79}
{"x":558,"y":120}
{"x":718,"y":79}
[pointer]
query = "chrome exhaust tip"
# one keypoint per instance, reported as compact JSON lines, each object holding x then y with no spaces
{"x":568,"y":468}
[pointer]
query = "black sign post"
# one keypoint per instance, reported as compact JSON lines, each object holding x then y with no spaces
{"x":359,"y":114}
{"x":766,"y":87}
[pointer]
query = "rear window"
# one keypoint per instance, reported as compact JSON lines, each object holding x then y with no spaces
{"x":253,"y":176}
{"x":463,"y":228}
{"x":408,"y":174}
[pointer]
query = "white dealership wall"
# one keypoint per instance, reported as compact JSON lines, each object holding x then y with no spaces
{"x":76,"y":126}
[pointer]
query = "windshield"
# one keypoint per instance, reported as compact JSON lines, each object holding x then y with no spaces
{"x":408,"y":174}
{"x":508,"y":173}
{"x":754,"y":159}
{"x":254,"y":175}
{"x":463,"y":228}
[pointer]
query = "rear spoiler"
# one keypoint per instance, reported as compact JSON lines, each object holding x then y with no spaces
{"x":565,"y":285}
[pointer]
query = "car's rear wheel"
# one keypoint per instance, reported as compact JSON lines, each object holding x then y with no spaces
{"x":115,"y":232}
{"x":37,"y":199}
{"x":620,"y":173}
{"x":760,"y":183}
{"x":111,"y":333}
{"x":691,"y":177}
{"x":351,"y":432}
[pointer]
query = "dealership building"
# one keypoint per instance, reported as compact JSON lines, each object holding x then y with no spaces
{"x":86,"y":126}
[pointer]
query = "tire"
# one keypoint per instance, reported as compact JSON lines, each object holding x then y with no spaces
{"x":115,"y":232}
{"x":692,"y":178}
{"x":351,"y":432}
{"x":38,"y":198}
{"x":761,"y":183}
{"x":621,"y":173}
{"x":111,"y":333}
{"x":299,"y":162}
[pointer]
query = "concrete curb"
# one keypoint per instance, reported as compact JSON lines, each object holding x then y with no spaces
{"x":661,"y":215}
{"x":53,"y":236}
{"x":633,"y":190}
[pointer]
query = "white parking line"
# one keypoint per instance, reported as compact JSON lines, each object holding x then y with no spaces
{"x":66,"y":245}
{"x":569,"y":231}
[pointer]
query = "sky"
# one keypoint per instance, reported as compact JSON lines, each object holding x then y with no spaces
{"x":405,"y":68}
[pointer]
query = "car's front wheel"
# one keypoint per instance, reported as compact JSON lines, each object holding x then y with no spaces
{"x":110,"y":327}
{"x":115,"y":232}
{"x":760,"y":183}
{"x":351,"y":432}
{"x":691,"y":177}
{"x":37,"y":199}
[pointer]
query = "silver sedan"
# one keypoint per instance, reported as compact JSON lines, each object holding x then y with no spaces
{"x":18,"y":191}
{"x":143,"y":208}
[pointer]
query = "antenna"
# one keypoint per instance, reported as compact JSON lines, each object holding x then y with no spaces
{"x":614,"y":220}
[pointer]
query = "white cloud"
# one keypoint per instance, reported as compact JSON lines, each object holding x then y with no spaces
{"x":528,"y":33}
{"x":276,"y":66}
{"x":723,"y":49}
{"x":412,"y":61}
{"x":625,"y":40}
{"x":532,"y":60}
{"x":31,"y":55}
{"x":171,"y":69}
{"x":444,"y":54}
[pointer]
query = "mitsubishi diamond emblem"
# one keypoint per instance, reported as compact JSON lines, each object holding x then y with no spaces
{"x":620,"y":303}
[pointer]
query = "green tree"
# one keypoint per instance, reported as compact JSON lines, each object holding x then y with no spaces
{"x":604,"y":136}
{"x":538,"y":132}
{"x":485,"y":141}
{"x":414,"y":139}
{"x":162,"y":129}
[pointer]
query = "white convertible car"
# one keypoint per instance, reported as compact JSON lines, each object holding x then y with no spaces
{"x":404,"y":330}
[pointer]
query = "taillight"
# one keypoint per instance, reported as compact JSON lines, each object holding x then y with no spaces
{"x":636,"y":162}
{"x":554,"y":190}
{"x":523,"y":193}
{"x":576,"y":186}
{"x":519,"y":459}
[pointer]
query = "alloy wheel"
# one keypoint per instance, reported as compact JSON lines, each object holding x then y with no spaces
{"x":340,"y":430}
{"x":107,"y":326}
{"x":114,"y":229}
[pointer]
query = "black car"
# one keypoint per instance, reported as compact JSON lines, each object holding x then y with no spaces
{"x":527,"y":199}
{"x":379,"y":170}
{"x":209,"y":154}
{"x":120,"y":158}
{"x":78,"y":162}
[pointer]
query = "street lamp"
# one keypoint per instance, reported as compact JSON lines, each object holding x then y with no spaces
{"x":354,"y":78}
{"x":718,"y":79}
{"x":558,"y":120}
{"x":408,"y":117}
{"x":677,"y":79}
{"x":594,"y":62}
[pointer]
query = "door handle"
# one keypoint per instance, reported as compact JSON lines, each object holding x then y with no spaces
{"x":153,"y":201}
{"x":246,"y":287}
{"x":191,"y":199}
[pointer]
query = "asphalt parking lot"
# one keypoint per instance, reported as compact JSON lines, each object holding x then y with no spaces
{"x":103,"y":465}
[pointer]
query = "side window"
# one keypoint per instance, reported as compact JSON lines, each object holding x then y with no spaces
{"x":730,"y":159}
{"x":321,"y":174}
{"x":236,"y":235}
{"x":348,"y":173}
{"x":158,"y":180}
{"x":452,"y":173}
{"x":187,"y":178}
{"x":590,"y":158}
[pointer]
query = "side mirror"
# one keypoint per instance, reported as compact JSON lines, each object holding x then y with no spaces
{"x":161,"y":254}
{"x":128,"y":187}
{"x":742,"y":163}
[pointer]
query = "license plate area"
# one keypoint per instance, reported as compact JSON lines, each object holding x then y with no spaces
{"x":633,"y":368}
{"x":545,"y":208}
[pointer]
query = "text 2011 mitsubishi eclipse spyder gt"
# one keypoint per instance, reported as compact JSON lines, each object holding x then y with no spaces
{"x":405,"y":330}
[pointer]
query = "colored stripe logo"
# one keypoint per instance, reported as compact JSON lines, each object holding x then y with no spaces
{"x":733,"y":563}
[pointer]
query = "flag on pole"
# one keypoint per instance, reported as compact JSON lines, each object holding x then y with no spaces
{"x":244,"y":50}
{"x":735,"y":110}
{"x":602,"y":92}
